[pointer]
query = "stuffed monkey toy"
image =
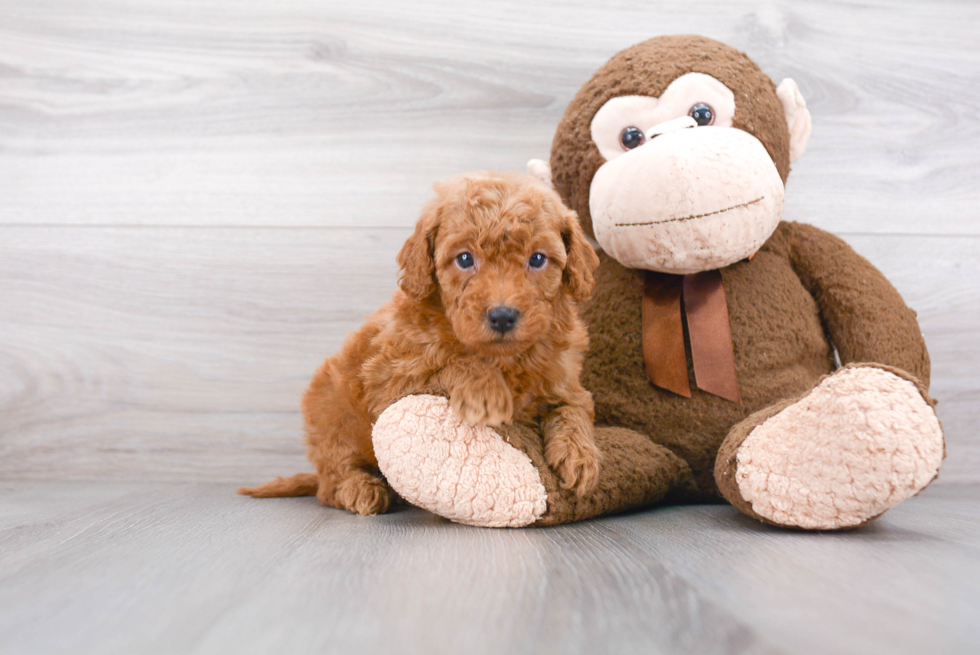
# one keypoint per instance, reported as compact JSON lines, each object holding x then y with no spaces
{"x":732,"y":355}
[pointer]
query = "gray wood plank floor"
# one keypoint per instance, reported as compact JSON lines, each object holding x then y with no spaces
{"x":90,"y":567}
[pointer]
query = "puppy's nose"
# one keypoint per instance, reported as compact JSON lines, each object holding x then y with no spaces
{"x":503,"y":319}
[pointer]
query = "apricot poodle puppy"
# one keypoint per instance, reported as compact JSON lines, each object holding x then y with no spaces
{"x":486,"y":315}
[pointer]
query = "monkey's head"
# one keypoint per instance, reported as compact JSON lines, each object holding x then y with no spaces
{"x":675,"y":153}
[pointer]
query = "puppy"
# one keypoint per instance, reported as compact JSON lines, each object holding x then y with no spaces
{"x":485,"y":315}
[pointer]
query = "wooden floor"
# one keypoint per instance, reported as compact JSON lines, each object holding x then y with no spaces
{"x":89,"y":567}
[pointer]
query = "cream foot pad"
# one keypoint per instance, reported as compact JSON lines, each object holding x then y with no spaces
{"x":861,"y":442}
{"x":462,"y":472}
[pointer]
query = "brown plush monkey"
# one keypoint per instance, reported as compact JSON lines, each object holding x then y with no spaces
{"x":675,"y":156}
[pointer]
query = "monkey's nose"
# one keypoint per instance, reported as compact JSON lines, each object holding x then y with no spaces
{"x":502,"y":319}
{"x":670,"y":126}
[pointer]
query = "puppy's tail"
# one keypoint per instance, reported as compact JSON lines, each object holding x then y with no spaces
{"x":301,"y":484}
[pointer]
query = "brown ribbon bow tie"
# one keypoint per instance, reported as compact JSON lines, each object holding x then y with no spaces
{"x":706,"y":310}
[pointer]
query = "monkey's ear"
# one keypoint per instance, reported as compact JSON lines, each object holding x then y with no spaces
{"x":416,"y":260}
{"x":797,"y":117}
{"x":581,"y":260}
{"x":542,"y":170}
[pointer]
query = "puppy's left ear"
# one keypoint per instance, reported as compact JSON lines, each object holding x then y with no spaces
{"x":417,"y":257}
{"x":581,"y":259}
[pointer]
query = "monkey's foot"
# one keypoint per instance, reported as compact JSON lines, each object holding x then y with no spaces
{"x":862,"y":441}
{"x":465,"y":473}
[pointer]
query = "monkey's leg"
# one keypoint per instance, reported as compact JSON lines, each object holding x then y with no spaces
{"x":479,"y":476}
{"x":634,"y":472}
{"x":860,"y":442}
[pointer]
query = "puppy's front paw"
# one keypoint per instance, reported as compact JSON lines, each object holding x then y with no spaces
{"x":575,"y":458}
{"x":483,"y":400}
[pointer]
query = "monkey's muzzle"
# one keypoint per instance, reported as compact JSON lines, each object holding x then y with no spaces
{"x":688,"y":200}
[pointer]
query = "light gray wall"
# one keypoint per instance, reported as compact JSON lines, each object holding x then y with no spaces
{"x":198,"y":200}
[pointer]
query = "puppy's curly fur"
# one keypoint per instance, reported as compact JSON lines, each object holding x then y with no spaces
{"x":435,"y":336}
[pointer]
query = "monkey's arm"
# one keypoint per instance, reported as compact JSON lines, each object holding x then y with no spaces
{"x":866,"y":318}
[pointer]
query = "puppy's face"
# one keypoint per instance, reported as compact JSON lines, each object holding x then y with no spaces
{"x":499,"y":267}
{"x":502,"y":252}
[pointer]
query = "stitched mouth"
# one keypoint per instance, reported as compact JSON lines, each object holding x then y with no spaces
{"x":693,"y":216}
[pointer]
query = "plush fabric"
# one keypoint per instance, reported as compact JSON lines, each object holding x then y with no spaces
{"x":635,"y":472}
{"x":646,"y":111}
{"x":463,"y":472}
{"x":797,"y":117}
{"x":647,"y":69}
{"x":715,"y":185}
{"x":860,"y":442}
{"x":479,"y":476}
{"x":812,"y":444}
{"x":777,"y":309}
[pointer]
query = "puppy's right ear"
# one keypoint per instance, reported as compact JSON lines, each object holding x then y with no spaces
{"x":417,"y":257}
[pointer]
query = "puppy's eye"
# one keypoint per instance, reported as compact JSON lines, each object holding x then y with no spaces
{"x":537,"y":260}
{"x":702,"y":113}
{"x":465,"y":260}
{"x":631,"y":137}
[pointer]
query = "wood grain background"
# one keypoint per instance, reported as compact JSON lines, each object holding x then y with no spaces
{"x":199,"y":200}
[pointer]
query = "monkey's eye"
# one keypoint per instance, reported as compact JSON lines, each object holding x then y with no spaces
{"x":702,"y":113}
{"x":465,"y":260}
{"x":537,"y":260}
{"x":631,"y":137}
